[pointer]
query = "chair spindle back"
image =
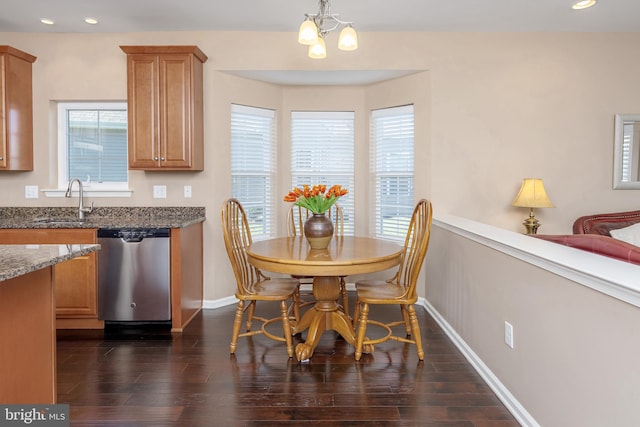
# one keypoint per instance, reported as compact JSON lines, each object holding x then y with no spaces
{"x":416,"y":244}
{"x":237,"y":237}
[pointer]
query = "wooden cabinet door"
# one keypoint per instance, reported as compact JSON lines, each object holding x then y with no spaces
{"x":76,"y":287}
{"x":16,"y":110}
{"x":143,"y":111}
{"x":175,"y":111}
{"x":3,"y":126}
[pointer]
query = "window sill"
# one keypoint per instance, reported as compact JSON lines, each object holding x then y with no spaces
{"x":120,"y":192}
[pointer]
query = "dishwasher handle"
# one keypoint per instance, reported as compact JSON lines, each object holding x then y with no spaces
{"x":133,"y":235}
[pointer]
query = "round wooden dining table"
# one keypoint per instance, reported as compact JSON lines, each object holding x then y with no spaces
{"x":345,"y":256}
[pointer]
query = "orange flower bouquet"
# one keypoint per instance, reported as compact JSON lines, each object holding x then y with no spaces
{"x":317,"y":198}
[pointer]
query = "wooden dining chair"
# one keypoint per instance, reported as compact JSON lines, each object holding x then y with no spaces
{"x":400,"y":289}
{"x":296,"y":217}
{"x":252,"y":284}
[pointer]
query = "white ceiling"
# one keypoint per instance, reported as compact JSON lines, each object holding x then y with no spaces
{"x":286,"y":15}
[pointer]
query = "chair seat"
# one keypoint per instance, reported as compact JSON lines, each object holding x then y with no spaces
{"x":272,"y":289}
{"x":366,"y":284}
{"x":381,"y":292}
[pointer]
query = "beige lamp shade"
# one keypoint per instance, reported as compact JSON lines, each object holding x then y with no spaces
{"x":532,"y":195}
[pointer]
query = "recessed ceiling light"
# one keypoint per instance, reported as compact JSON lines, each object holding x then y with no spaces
{"x":47,"y":21}
{"x":583,"y":4}
{"x":90,"y":20}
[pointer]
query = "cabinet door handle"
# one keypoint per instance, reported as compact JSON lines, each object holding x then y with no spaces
{"x":162,"y":159}
{"x":1,"y":158}
{"x":155,"y":158}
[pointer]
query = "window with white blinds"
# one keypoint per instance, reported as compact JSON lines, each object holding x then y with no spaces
{"x":92,"y":144}
{"x":253,"y":154}
{"x":322,"y":152}
{"x":392,"y":171}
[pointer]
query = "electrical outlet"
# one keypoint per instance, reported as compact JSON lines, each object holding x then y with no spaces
{"x":187,"y":191}
{"x":30,"y":191}
{"x":508,"y":334}
{"x":159,"y":191}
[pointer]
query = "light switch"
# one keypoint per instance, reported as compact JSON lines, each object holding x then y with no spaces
{"x":187,"y":191}
{"x":159,"y":191}
{"x":30,"y":191}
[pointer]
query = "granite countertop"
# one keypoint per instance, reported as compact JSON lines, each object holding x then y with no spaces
{"x":18,"y":260}
{"x":101,"y":217}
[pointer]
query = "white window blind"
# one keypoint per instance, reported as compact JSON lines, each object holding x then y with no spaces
{"x":253,"y":154}
{"x":322,"y":152}
{"x":92,"y":144}
{"x":392,"y":171}
{"x":630,"y":151}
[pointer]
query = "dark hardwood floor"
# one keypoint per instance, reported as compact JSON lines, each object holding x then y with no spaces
{"x":153,"y":378}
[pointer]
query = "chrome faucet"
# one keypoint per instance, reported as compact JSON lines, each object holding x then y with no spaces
{"x":81,"y":209}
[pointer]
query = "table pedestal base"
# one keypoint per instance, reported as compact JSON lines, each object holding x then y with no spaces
{"x":326,"y":314}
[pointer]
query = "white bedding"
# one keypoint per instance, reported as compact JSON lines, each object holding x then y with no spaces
{"x":629,"y":234}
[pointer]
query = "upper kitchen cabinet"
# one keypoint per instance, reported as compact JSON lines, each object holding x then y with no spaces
{"x":165,"y":107}
{"x":16,"y":110}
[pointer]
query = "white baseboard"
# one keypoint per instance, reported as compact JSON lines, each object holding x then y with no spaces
{"x":508,"y":399}
{"x":223,"y":302}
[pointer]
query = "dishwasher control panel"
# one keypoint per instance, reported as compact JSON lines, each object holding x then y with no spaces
{"x":133,"y":234}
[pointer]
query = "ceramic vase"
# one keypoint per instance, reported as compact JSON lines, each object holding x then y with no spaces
{"x":318,"y":230}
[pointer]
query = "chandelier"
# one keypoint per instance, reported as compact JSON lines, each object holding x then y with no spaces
{"x":315,"y":27}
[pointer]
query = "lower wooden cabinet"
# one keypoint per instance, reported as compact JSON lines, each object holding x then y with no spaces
{"x":76,"y":287}
{"x":76,"y":280}
{"x":28,"y":349}
{"x":186,"y":275}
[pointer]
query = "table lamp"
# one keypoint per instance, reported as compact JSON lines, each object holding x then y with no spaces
{"x":532,"y":195}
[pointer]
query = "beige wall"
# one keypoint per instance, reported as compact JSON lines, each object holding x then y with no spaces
{"x":492,"y":109}
{"x":575,"y":353}
{"x":531,"y":105}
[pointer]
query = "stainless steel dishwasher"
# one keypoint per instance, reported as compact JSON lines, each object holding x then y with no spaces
{"x":134,"y":275}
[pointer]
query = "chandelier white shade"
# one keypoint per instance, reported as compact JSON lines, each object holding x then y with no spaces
{"x":315,"y":27}
{"x":318,"y":50}
{"x":308,"y":33}
{"x":348,"y":39}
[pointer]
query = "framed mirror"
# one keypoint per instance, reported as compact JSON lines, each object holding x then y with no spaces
{"x":626,"y":160}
